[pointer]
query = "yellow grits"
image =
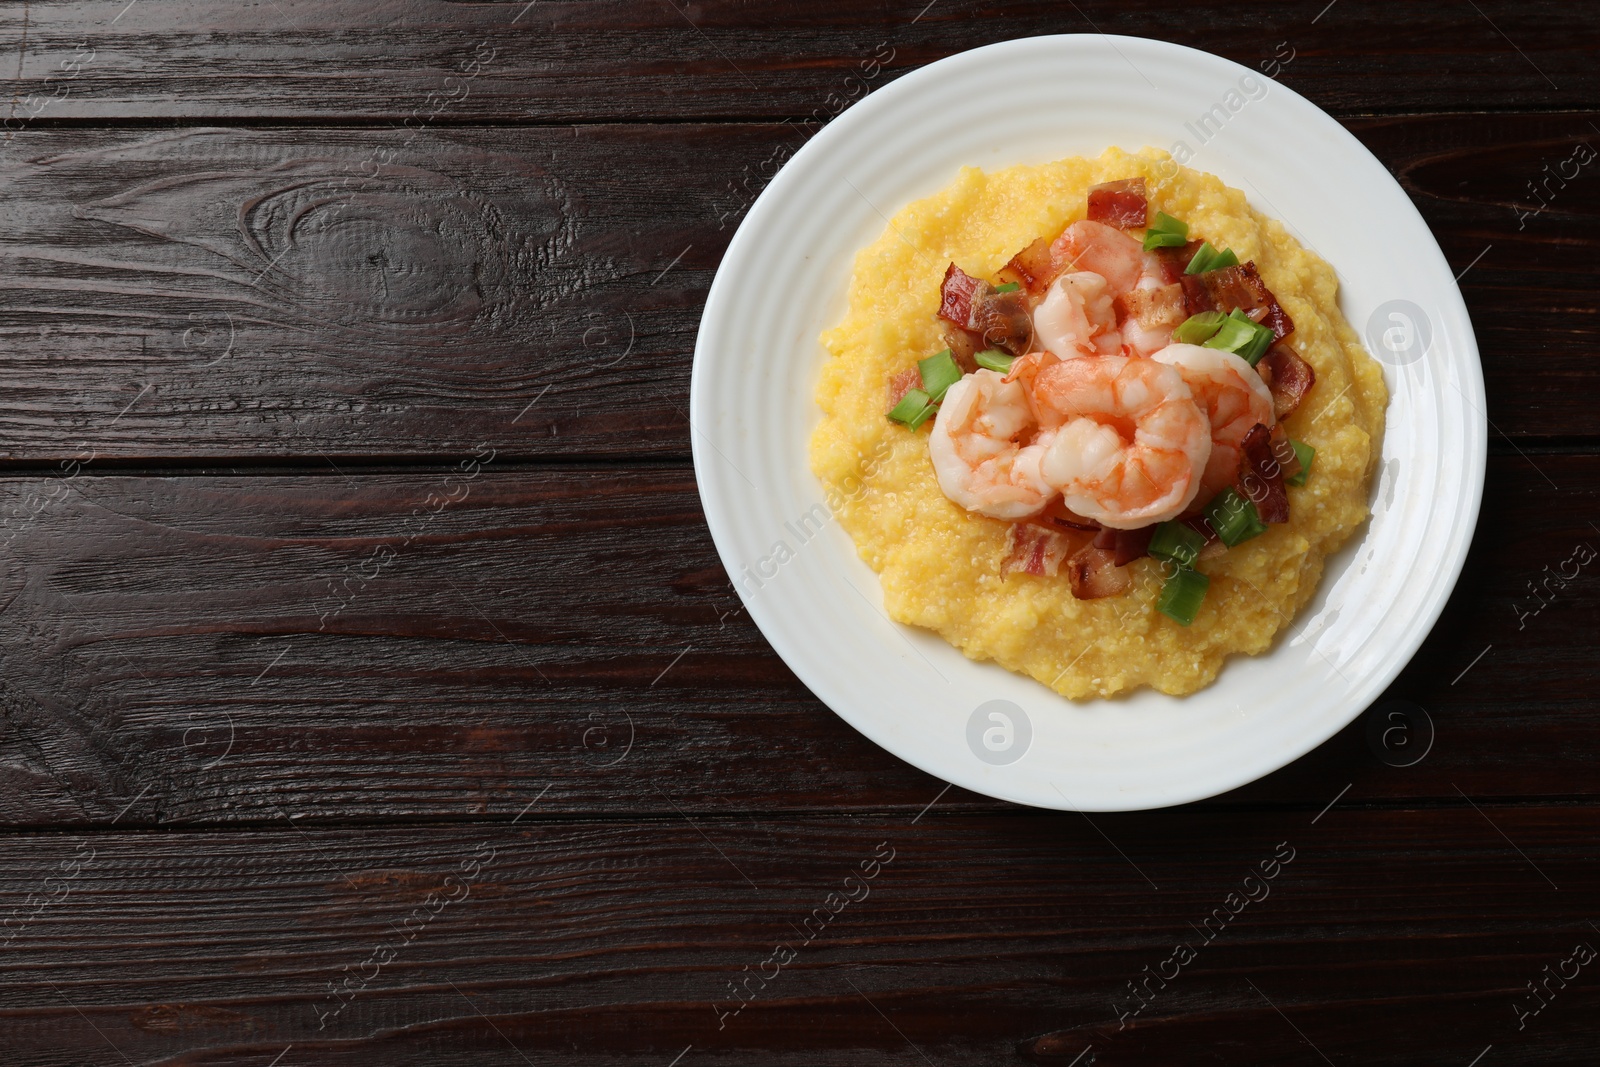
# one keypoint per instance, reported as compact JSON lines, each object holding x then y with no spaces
{"x":941,"y":566}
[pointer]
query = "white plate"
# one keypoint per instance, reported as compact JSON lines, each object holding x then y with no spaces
{"x":783,"y":281}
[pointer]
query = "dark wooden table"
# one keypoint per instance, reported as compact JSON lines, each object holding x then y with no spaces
{"x":372,"y":691}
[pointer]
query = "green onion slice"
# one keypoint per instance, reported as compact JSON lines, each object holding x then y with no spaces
{"x":1182,"y":594}
{"x":1306,"y":454}
{"x":914,"y":409}
{"x":1008,"y":287}
{"x":1197,"y":329}
{"x":1234,"y":518}
{"x":1239,"y":335}
{"x":1166,"y":232}
{"x":994,"y":359}
{"x":939,"y":373}
{"x":1252,"y":352}
{"x":1178,"y":542}
{"x":1208,"y":258}
{"x":1154,"y":239}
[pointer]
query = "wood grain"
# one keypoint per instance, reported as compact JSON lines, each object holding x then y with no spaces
{"x":232,"y":295}
{"x":220,"y":648}
{"x":371,"y":692}
{"x":583,"y":60}
{"x":1385,"y":937}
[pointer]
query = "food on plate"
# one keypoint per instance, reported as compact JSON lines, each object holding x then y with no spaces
{"x":1097,"y":420}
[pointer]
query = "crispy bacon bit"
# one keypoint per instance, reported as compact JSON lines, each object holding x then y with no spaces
{"x":1288,"y":376}
{"x":1196,"y":296}
{"x":1176,"y":260}
{"x":1237,"y":287}
{"x":1056,"y":513}
{"x":1036,"y":550}
{"x":1123,"y":204}
{"x":1132,"y":545}
{"x":1032,"y":267}
{"x":1153,"y":309}
{"x":955,"y":296}
{"x":1260,"y":477}
{"x":1125,"y":545}
{"x":963,"y":345}
{"x":1002,"y":320}
{"x":902,"y":383}
{"x":1282,"y":451}
{"x":1093,"y":573}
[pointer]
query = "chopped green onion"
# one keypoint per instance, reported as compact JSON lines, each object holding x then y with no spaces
{"x":1167,"y":224}
{"x":1166,"y":232}
{"x":1008,"y":287}
{"x":994,"y":359}
{"x":1177,"y":542}
{"x":1197,"y":329}
{"x":939,"y":372}
{"x":1234,"y":518}
{"x":1306,"y":454}
{"x":1252,"y":352}
{"x":1154,"y":239}
{"x":914,"y":409}
{"x":1182,"y":594}
{"x":1208,"y":258}
{"x":1240,"y":335}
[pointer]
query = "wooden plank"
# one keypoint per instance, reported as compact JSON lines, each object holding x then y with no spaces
{"x":217,"y":649}
{"x":240,"y":294}
{"x":537,"y":290}
{"x":1518,"y":224}
{"x":582,"y":60}
{"x":1386,"y":937}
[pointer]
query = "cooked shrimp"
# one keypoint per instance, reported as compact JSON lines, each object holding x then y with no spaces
{"x":1108,"y":252}
{"x":1076,"y":317}
{"x":1234,"y":399}
{"x":1133,"y":444}
{"x":977,"y":452}
{"x":1153,"y":311}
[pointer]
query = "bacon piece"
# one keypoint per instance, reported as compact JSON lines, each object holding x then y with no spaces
{"x":1036,"y":550}
{"x":1237,"y":287}
{"x":1125,"y":545}
{"x":1123,"y":204}
{"x":1153,"y":309}
{"x":1056,"y":513}
{"x":963,"y":345}
{"x":1002,"y":320}
{"x":1288,"y":376}
{"x":1176,"y":260}
{"x":1282,"y":451}
{"x":1132,"y":545}
{"x":955,"y":296}
{"x":1093,"y":573}
{"x":1032,"y":268}
{"x":1260,"y":477}
{"x":902,"y":383}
